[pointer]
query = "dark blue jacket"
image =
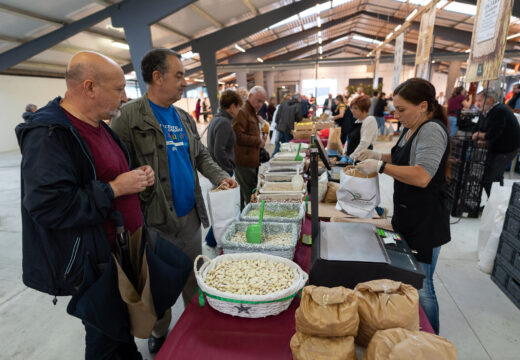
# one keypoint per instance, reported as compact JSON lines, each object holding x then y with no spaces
{"x":64,"y":206}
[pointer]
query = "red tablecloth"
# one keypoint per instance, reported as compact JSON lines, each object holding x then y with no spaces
{"x":204,"y":333}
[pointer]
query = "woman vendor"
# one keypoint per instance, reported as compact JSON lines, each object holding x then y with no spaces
{"x":343,"y":117}
{"x":418,"y":165}
{"x":363,"y":134}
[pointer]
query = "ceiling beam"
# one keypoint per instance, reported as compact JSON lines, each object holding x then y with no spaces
{"x":205,"y":14}
{"x":42,"y":43}
{"x":53,"y":21}
{"x":251,"y":7}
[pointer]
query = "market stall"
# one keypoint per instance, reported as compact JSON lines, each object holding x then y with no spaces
{"x":204,"y":333}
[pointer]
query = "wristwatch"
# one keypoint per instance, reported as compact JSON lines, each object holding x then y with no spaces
{"x":382,"y":168}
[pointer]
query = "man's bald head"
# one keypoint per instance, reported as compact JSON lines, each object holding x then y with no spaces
{"x":89,"y":65}
{"x":95,"y":86}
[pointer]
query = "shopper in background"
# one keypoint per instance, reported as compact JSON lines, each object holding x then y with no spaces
{"x":379,"y":112}
{"x":205,"y":110}
{"x":358,"y":92}
{"x":242,"y":92}
{"x":418,"y":165}
{"x":249,"y":142}
{"x":287,"y":115}
{"x":373,"y":101}
{"x":364,"y":131}
{"x":329,"y":104}
{"x":74,"y":172}
{"x":514,"y":102}
{"x":343,"y":117}
{"x":271,"y":109}
{"x":29,"y":110}
{"x":304,"y":105}
{"x":501,"y":132}
{"x":456,"y":103}
{"x":441,"y":99}
{"x":197,"y":110}
{"x":165,"y":137}
{"x":263,"y":111}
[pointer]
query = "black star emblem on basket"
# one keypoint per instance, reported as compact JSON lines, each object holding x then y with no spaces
{"x":243,"y":308}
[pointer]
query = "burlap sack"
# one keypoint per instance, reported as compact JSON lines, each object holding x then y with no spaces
{"x":402,"y":344}
{"x":307,"y":347}
{"x":330,"y":195}
{"x":385,"y":304}
{"x":327,"y":311}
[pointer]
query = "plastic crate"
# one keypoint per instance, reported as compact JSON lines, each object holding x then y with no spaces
{"x":509,"y":250}
{"x":515,"y":196}
{"x":505,"y":278}
{"x":512,"y":222}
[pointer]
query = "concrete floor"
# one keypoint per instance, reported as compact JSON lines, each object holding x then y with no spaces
{"x":474,"y":314}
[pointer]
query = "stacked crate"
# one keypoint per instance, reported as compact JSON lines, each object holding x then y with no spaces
{"x":467,"y":164}
{"x":506,"y":272}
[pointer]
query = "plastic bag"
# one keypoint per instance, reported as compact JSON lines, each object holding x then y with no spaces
{"x":223,"y":209}
{"x":308,"y":347}
{"x":402,"y":344}
{"x":491,"y":224}
{"x":358,"y":194}
{"x":385,"y":304}
{"x":327,"y":311}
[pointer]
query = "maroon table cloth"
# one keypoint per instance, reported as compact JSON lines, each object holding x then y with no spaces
{"x":206,"y":334}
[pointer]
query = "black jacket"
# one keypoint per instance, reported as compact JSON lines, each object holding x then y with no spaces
{"x":289,"y":112}
{"x":502,"y":130}
{"x":27,"y":116}
{"x":332,"y":106}
{"x":379,"y":109}
{"x":63,"y":205}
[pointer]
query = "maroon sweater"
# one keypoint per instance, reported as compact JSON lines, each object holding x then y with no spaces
{"x":110,"y":161}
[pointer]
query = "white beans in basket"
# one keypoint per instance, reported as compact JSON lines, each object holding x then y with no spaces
{"x":250,"y":277}
{"x":271,"y":239}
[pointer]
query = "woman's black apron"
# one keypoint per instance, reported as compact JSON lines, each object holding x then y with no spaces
{"x":354,"y":138}
{"x":345,"y":122}
{"x":421,"y":216}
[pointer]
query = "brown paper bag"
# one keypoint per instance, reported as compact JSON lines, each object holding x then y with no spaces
{"x":307,"y":347}
{"x":385,"y":304}
{"x":330,"y":195}
{"x":334,"y":142}
{"x":327,"y":311}
{"x":402,"y":344}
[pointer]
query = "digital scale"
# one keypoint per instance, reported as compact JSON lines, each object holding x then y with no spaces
{"x":349,"y":253}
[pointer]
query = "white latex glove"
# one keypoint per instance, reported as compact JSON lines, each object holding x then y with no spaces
{"x":369,"y":166}
{"x":367,"y":154}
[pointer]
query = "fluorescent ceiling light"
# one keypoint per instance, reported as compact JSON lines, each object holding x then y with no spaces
{"x":467,"y":50}
{"x":319,"y":40}
{"x":120,"y":45}
{"x":513,"y":36}
{"x":319,"y":21}
{"x":259,"y":59}
{"x":188,"y":55}
{"x":461,"y":8}
{"x":320,"y":50}
{"x":283,"y":22}
{"x":319,"y":33}
{"x":238,"y":47}
{"x":397,"y":27}
{"x":198,"y":80}
{"x":389,"y":35}
{"x":365,"y":39}
{"x":412,"y":14}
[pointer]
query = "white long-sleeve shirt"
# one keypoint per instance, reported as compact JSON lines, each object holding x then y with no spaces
{"x":368,"y":133}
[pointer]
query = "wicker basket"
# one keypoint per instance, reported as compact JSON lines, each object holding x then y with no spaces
{"x":249,"y":306}
{"x":275,"y":206}
{"x":285,"y":251}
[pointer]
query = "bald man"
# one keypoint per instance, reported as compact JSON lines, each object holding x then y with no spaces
{"x":74,"y":172}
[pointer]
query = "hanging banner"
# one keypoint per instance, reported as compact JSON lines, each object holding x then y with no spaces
{"x":376,"y":70}
{"x":398,"y":60}
{"x":489,"y":39}
{"x":424,"y":44}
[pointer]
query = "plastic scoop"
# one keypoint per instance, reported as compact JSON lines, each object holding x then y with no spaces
{"x":298,"y":157}
{"x":254,"y":231}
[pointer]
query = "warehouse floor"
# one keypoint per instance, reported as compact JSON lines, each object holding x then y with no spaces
{"x":474,"y":314}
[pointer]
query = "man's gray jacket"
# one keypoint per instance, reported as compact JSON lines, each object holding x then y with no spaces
{"x":140,"y":131}
{"x":289,"y":112}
